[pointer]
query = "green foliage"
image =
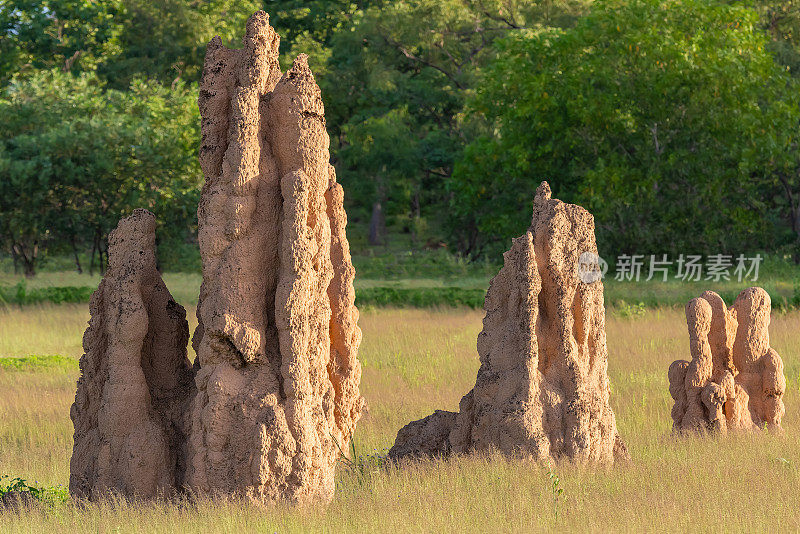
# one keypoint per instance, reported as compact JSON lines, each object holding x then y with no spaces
{"x":371,"y":296}
{"x":395,"y":95}
{"x":177,"y":256}
{"x":121,"y":40}
{"x":74,"y":159}
{"x":44,"y":494}
{"x":675,"y":123}
{"x":70,"y":35}
{"x":630,"y":310}
{"x":312,"y":20}
{"x":670,"y":121}
{"x":556,"y":491}
{"x":781,"y":21}
{"x":421,"y":297}
{"x":438,"y":264}
{"x":21,"y":294}
{"x":359,"y":468}
{"x":166,"y":40}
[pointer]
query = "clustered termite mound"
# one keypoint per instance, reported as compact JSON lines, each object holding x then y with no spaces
{"x":273,"y":397}
{"x":735,"y":379}
{"x":542,"y":390}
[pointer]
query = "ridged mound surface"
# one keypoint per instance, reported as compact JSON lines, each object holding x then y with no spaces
{"x":277,"y":339}
{"x":136,"y":381}
{"x":542,"y":390}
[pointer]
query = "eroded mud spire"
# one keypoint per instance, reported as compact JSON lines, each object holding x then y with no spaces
{"x":136,"y":382}
{"x":542,"y":390}
{"x":277,"y":339}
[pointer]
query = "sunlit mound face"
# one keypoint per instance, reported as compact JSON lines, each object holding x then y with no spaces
{"x":277,"y":337}
{"x":735,"y":381}
{"x":542,"y":391}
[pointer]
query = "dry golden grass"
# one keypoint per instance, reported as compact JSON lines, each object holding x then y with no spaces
{"x":415,"y":361}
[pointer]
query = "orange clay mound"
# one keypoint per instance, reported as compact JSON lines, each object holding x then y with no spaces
{"x":735,"y":380}
{"x":277,"y":338}
{"x":542,"y":390}
{"x":136,"y":380}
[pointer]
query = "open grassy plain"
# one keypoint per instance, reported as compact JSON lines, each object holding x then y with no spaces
{"x":415,"y":361}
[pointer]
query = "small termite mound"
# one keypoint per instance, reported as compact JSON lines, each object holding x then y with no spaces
{"x":136,"y":382}
{"x":735,"y":380}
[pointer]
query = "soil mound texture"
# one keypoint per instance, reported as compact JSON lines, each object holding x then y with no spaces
{"x":136,"y":382}
{"x":277,"y":339}
{"x":542,"y":390}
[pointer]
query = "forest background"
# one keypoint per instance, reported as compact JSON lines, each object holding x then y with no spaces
{"x":676,"y":123}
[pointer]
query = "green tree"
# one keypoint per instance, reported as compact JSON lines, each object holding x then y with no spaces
{"x":670,"y":121}
{"x":382,"y":153}
{"x":166,"y":40}
{"x":75,"y":158}
{"x":317,"y":20}
{"x":71,"y":35}
{"x":781,"y":21}
{"x":416,"y":60}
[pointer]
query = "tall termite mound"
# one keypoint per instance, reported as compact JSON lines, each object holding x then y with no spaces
{"x":136,"y":381}
{"x":542,"y":390}
{"x":277,"y":337}
{"x":735,"y":380}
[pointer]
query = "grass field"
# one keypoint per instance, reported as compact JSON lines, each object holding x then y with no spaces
{"x":415,"y":361}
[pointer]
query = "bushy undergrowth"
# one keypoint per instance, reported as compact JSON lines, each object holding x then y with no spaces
{"x":423,"y":297}
{"x":44,"y":494}
{"x":628,"y":299}
{"x":22,"y":294}
{"x":421,"y":279}
{"x":419,"y":264}
{"x":426,"y":297}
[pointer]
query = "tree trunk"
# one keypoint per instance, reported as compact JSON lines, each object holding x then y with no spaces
{"x":30,"y":269}
{"x":28,"y":259}
{"x":416,"y":215}
{"x":794,"y":214}
{"x":94,"y":250}
{"x":796,"y":228}
{"x":75,"y":253}
{"x":376,"y":225}
{"x":15,"y":259}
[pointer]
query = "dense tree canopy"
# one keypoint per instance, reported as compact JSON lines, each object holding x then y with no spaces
{"x":670,"y":121}
{"x":412,"y":65}
{"x":74,"y":159}
{"x":675,"y":122}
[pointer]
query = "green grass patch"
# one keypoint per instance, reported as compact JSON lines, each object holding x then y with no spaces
{"x":37,"y":363}
{"x":433,"y":280}
{"x":628,"y":298}
{"x":421,"y":297}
